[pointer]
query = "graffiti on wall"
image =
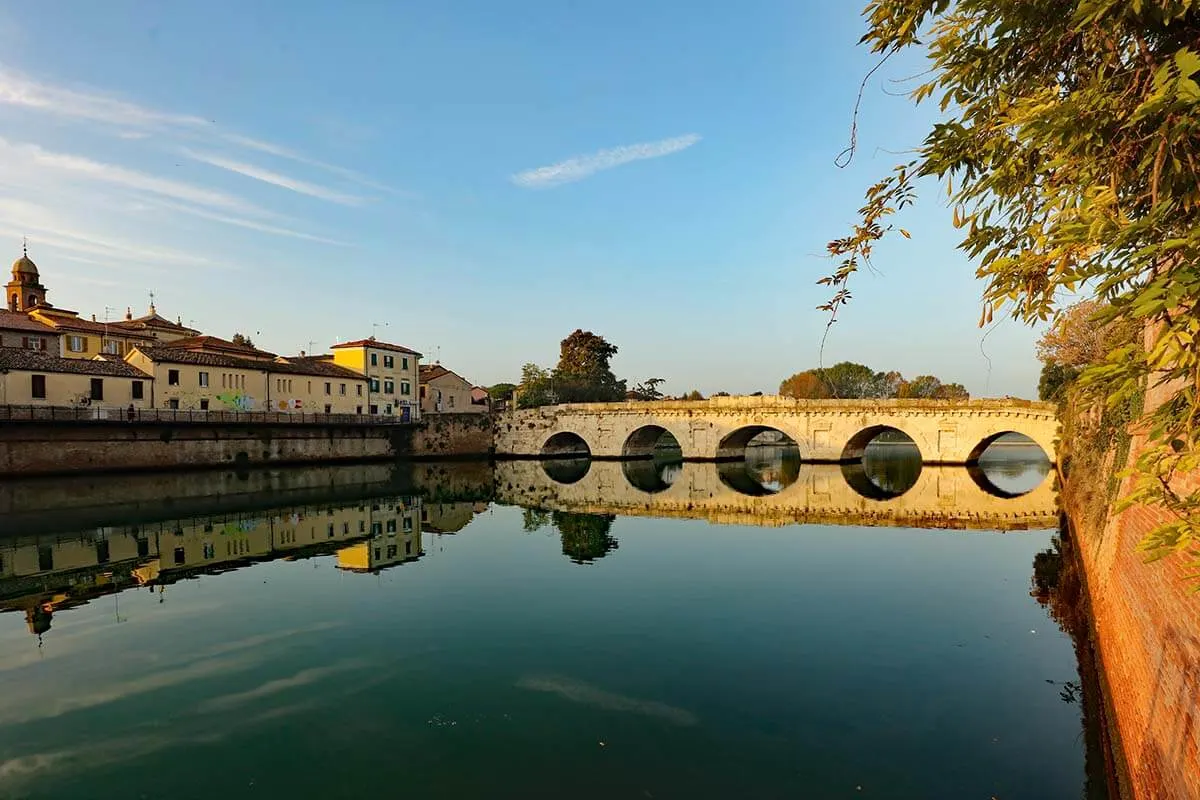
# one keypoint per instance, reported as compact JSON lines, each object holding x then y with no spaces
{"x":237,"y":401}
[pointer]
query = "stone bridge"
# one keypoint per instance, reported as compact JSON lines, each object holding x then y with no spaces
{"x":945,"y":431}
{"x":942,"y":497}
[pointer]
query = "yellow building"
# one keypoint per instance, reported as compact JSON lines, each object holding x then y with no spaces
{"x":446,"y":392}
{"x":206,"y":373}
{"x":391,"y":371}
{"x":394,"y":525}
{"x":33,"y":378}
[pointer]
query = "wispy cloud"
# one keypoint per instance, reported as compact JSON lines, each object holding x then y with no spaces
{"x":586,"y":694}
{"x":270,"y":688}
{"x":273,"y":178}
{"x":580,"y":167}
{"x":19,"y":154}
{"x":286,"y":152}
{"x":250,"y":224}
{"x":18,"y":90}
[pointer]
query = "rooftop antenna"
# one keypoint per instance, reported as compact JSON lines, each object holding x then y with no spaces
{"x":152,"y":311}
{"x":25,"y":247}
{"x":375,"y":325}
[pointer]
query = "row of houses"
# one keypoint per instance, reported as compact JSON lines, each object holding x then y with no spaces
{"x":54,"y":357}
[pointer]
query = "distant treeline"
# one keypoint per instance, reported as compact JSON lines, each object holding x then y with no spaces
{"x":850,"y":380}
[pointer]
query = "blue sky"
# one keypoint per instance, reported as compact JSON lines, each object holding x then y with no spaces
{"x":484,"y":178}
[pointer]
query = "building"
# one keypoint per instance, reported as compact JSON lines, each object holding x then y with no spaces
{"x":25,"y":290}
{"x":18,"y":330}
{"x":446,"y":392}
{"x":394,"y":526}
{"x":391,"y":371}
{"x":481,"y":397}
{"x":206,"y":373}
{"x":160,"y":328}
{"x":31,"y":377}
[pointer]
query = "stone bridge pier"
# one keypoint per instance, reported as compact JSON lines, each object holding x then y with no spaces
{"x":945,"y":431}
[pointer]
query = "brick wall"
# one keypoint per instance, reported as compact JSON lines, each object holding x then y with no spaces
{"x":1147,"y":624}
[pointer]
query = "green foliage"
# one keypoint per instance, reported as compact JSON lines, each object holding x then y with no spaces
{"x":535,"y":389}
{"x":849,"y":380}
{"x":585,"y":537}
{"x":649,"y":389}
{"x":1068,"y":147}
{"x":1055,"y":380}
{"x":583,"y":374}
{"x":242,"y":339}
{"x":501,"y":391}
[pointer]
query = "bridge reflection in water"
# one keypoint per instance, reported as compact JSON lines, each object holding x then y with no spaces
{"x":889,"y":486}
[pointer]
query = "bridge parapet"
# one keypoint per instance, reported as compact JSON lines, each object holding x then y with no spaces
{"x":945,"y":431}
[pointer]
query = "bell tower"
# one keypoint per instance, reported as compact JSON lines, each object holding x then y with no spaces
{"x":25,"y":290}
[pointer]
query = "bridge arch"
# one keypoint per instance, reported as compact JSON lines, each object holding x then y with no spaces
{"x":566,"y":471}
{"x":856,"y":447}
{"x":645,"y":441}
{"x":999,"y":438}
{"x":650,"y":475}
{"x":732,"y":446}
{"x":881,"y":480}
{"x":566,"y":444}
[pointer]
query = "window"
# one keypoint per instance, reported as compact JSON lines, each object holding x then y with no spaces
{"x":376,"y":553}
{"x":391,"y":526}
{"x":97,"y":388}
{"x":362,"y":526}
{"x":404,"y":363}
{"x":180,"y":556}
{"x":38,"y":386}
{"x":423,"y":392}
{"x":172,"y":377}
{"x":389,"y":387}
{"x":358,"y":409}
{"x":204,"y":404}
{"x":173,"y":403}
{"x":328,"y":388}
{"x":376,"y":528}
{"x":204,"y":380}
{"x":77,"y":344}
{"x":45,"y":558}
{"x":374,"y":385}
{"x":374,"y":409}
{"x":405,"y":388}
{"x":328,"y":408}
{"x":408,"y":548}
{"x":450,"y":401}
{"x":329,"y":530}
{"x":389,"y":362}
{"x":374,"y":360}
{"x":391,"y":551}
{"x":102,"y":551}
{"x":342,"y":390}
{"x":387,"y":409}
{"x":408,"y":524}
{"x":113,"y":348}
{"x":33,"y":343}
{"x":139,"y":390}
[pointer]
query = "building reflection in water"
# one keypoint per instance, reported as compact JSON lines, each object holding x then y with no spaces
{"x":46,"y":574}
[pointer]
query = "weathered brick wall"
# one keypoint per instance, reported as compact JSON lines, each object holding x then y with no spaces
{"x":1147,"y":623}
{"x":40,"y":448}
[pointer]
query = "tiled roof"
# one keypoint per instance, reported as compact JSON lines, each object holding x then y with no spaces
{"x":35,"y":361}
{"x":171,"y":355}
{"x":316,"y":366}
{"x":75,"y":324}
{"x":378,"y":345}
{"x":431,"y":372}
{"x":211,"y":343}
{"x":155,"y":321}
{"x":12,"y":321}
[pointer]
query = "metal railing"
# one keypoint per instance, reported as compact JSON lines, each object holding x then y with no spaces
{"x":113,"y":415}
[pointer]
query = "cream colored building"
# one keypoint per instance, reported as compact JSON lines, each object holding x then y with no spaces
{"x":391,"y":371}
{"x":446,"y":392}
{"x":210,"y":374}
{"x":33,"y":378}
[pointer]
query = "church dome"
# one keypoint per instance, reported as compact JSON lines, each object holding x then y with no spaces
{"x":24,"y":266}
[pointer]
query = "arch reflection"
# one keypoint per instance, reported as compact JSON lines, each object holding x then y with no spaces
{"x":764,"y":471}
{"x":885,"y":472}
{"x":1012,"y":466}
{"x":652,"y":475}
{"x":567,"y":470}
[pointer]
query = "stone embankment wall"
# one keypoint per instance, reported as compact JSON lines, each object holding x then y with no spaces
{"x":1146,"y":620}
{"x":41,"y":448}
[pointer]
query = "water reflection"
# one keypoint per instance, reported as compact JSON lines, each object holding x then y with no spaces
{"x":1010,"y":469}
{"x":685,"y":660}
{"x":887,"y":470}
{"x":652,"y":475}
{"x":566,"y":470}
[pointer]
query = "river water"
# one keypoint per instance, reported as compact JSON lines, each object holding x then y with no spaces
{"x":765,"y":629}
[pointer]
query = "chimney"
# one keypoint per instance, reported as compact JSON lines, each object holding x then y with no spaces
{"x":302,"y":354}
{"x":93,"y":317}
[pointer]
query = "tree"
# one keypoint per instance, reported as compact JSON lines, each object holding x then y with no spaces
{"x":694,"y":394}
{"x":1068,"y":146}
{"x":242,"y":339}
{"x":585,"y":537}
{"x":501,"y":391}
{"x":1055,"y":380}
{"x":535,"y":389}
{"x":1078,"y":338}
{"x":805,"y":385}
{"x":952,"y":391}
{"x":583,"y":374}
{"x":649,"y":389}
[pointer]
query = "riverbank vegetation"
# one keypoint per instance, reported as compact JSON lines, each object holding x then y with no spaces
{"x":1068,"y":147}
{"x":849,"y":380}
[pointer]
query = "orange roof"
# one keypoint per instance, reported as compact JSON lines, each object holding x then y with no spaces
{"x":216,"y":344}
{"x":375,"y":344}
